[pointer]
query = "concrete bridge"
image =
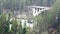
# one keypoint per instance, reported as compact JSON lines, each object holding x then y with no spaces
{"x":36,"y":10}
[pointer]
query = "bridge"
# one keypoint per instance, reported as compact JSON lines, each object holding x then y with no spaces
{"x":36,"y":10}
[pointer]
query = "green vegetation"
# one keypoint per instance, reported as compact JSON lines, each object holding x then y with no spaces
{"x":50,"y":18}
{"x":44,"y":20}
